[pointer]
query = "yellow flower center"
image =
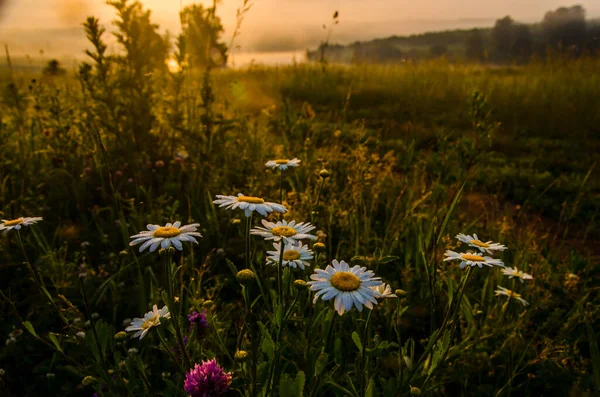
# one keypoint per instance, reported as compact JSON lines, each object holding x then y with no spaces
{"x":512,"y":294}
{"x":151,"y":322}
{"x":282,"y":161}
{"x":471,"y":257}
{"x":166,"y":232}
{"x":283,"y":231}
{"x":14,"y":222}
{"x":291,"y":255}
{"x":345,"y":281}
{"x":251,"y":200}
{"x":520,"y":273}
{"x":480,"y":243}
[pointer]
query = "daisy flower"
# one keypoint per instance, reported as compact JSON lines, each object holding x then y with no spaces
{"x":290,"y":233}
{"x":141,"y":326}
{"x":18,"y":223}
{"x":514,"y":272}
{"x":470,"y":259}
{"x":165,"y":236}
{"x":512,"y":294}
{"x":249,"y":204}
{"x":350,"y":286}
{"x":282,"y":164}
{"x":384,"y":291}
{"x":293,"y":255}
{"x":473,"y":241}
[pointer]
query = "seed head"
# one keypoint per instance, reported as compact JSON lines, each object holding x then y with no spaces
{"x":324,"y":174}
{"x":88,"y":380}
{"x":319,"y":247}
{"x":241,"y":355}
{"x":245,"y":276}
{"x":300,"y":284}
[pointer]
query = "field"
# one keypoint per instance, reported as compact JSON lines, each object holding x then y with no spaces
{"x":395,"y":161}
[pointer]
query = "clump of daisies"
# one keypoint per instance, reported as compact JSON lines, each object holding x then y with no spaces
{"x":207,"y":379}
{"x":348,"y":286}
{"x":7,"y":225}
{"x":165,"y":236}
{"x":141,"y":326}
{"x":471,"y":258}
{"x":249,"y":204}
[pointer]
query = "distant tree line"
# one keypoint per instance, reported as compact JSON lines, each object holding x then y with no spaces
{"x":565,"y":30}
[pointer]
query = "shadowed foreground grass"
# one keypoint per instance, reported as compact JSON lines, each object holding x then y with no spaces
{"x":415,"y":155}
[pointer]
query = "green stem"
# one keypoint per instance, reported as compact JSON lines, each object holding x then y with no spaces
{"x":364,"y":360}
{"x":248,"y":226}
{"x":175,"y":313}
{"x":168,"y":350}
{"x":38,"y":282}
{"x":444,"y":324}
{"x":279,"y":267}
{"x":281,"y":185}
{"x":93,"y":324}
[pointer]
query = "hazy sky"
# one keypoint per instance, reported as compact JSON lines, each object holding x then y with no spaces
{"x":275,"y":25}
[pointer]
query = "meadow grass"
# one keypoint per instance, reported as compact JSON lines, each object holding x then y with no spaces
{"x":414,"y":153}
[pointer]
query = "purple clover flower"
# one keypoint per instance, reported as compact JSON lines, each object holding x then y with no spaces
{"x":207,"y":380}
{"x":199,"y":320}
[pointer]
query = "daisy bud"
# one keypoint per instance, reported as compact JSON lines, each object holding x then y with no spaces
{"x":171,"y":250}
{"x":88,"y":380}
{"x":400,"y":292}
{"x":300,"y":284}
{"x":80,"y":334}
{"x":236,"y":221}
{"x":245,"y":276}
{"x":324,"y":174}
{"x":120,"y":335}
{"x":415,"y":391}
{"x":319,"y":247}
{"x":124,"y":253}
{"x":208,"y":304}
{"x":241,"y":355}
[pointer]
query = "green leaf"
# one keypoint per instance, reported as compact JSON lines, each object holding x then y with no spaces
{"x":370,"y":392}
{"x":292,"y":387}
{"x":29,"y":328}
{"x":595,"y":353}
{"x":299,"y":384}
{"x":387,"y":259}
{"x":357,"y":342}
{"x":358,"y":258}
{"x":455,"y":200}
{"x":267,"y":345}
{"x":377,"y":254}
{"x":54,"y":340}
{"x":321,"y":363}
{"x":232,"y":267}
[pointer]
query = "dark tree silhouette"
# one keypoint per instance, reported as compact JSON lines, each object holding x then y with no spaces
{"x":565,"y":28}
{"x":502,"y":37}
{"x":522,"y":47}
{"x":475,"y":46}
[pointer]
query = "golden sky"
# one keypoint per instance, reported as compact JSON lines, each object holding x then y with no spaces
{"x":271,"y":25}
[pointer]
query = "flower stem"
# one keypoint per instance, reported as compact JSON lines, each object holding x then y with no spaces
{"x":281,"y":185}
{"x":363,"y":355}
{"x":175,"y":313}
{"x":279,"y":267}
{"x":168,"y":350}
{"x":248,"y":225}
{"x":38,"y":282}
